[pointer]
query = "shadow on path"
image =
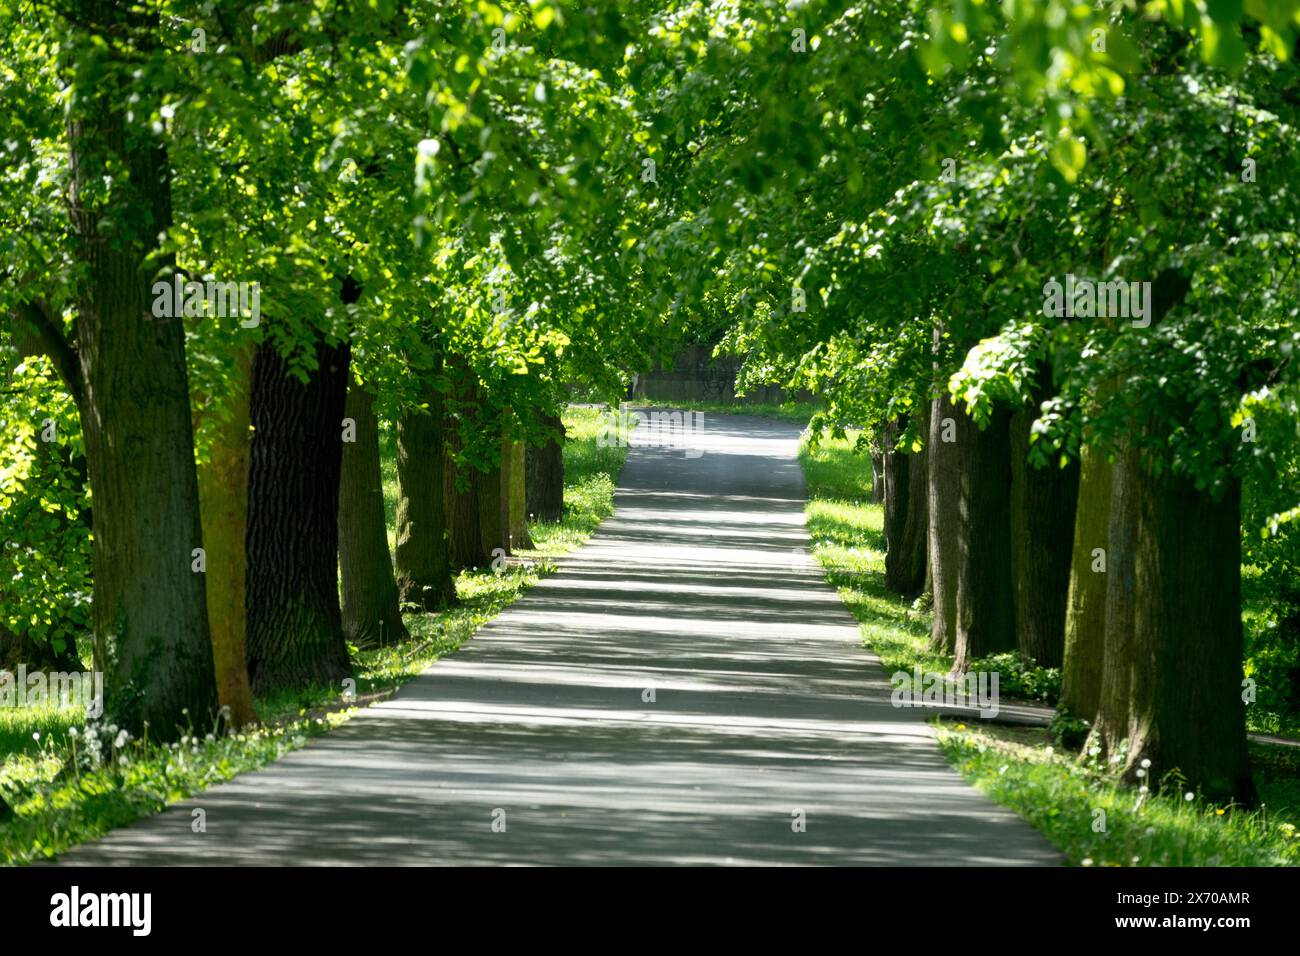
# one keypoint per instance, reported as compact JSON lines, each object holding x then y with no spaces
{"x":685,"y":690}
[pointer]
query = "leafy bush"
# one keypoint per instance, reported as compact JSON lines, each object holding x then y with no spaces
{"x":45,"y":558}
{"x":1020,"y":678}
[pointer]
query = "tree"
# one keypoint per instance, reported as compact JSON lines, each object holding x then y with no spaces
{"x":1043,"y":504}
{"x":295,"y":628}
{"x":370,"y":596}
{"x":223,"y":499}
{"x":423,"y":564}
{"x":544,"y":470}
{"x":150,"y":612}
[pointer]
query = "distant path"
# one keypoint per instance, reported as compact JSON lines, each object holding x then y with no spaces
{"x":698,"y":593}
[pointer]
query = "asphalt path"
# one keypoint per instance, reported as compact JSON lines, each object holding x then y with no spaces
{"x":685,"y":690}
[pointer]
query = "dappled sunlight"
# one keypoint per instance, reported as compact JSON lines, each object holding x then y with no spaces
{"x":678,"y":692}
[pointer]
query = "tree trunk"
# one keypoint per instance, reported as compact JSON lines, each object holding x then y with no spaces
{"x":916,"y":532}
{"x":465,"y":546}
{"x":223,"y":497}
{"x":295,"y":628}
{"x":894,"y":487}
{"x":985,"y":613}
{"x":371,"y":617}
{"x":1111,"y":726}
{"x":907,"y":479}
{"x":493,"y":513}
{"x":545,"y":474}
{"x":423,"y":566}
{"x":878,"y":476}
{"x":465,"y":543}
{"x":1085,"y":622}
{"x":150,"y":609}
{"x":1042,"y":534}
{"x":945,"y":516}
{"x":1186,"y":712}
{"x":517,"y":512}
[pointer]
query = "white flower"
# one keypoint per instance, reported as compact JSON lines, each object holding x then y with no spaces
{"x":1188,"y":796}
{"x":1141,"y":773}
{"x":36,"y":736}
{"x":122,"y":738}
{"x":1145,"y":762}
{"x":72,"y":731}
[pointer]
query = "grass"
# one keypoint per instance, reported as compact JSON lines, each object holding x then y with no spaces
{"x":21,"y":730}
{"x":56,"y":792}
{"x":1023,"y":768}
{"x":848,"y":541}
{"x":1096,"y":822}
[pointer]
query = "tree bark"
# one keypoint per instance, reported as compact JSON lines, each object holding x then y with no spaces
{"x":878,"y":476}
{"x":460,"y":486}
{"x":465,"y":543}
{"x":520,"y":539}
{"x":223,"y":497}
{"x":493,"y":510}
{"x":1186,"y":711}
{"x":1085,"y":622}
{"x":545,"y":474}
{"x":985,"y":612}
{"x":150,"y":608}
{"x":1042,"y":534}
{"x":423,"y":566}
{"x":295,"y":628}
{"x":371,"y":616}
{"x":1111,"y":727}
{"x":945,"y":516}
{"x":894,"y":488}
{"x":907,"y":483}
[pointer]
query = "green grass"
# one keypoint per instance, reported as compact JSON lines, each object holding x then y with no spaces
{"x":846,"y":528}
{"x":53,"y":796}
{"x":1061,"y":796}
{"x":21,"y":730}
{"x":1019,"y":767}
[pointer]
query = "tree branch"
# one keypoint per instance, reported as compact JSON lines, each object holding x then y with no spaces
{"x":49,"y":341}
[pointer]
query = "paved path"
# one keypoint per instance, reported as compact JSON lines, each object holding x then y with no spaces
{"x":678,"y":693}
